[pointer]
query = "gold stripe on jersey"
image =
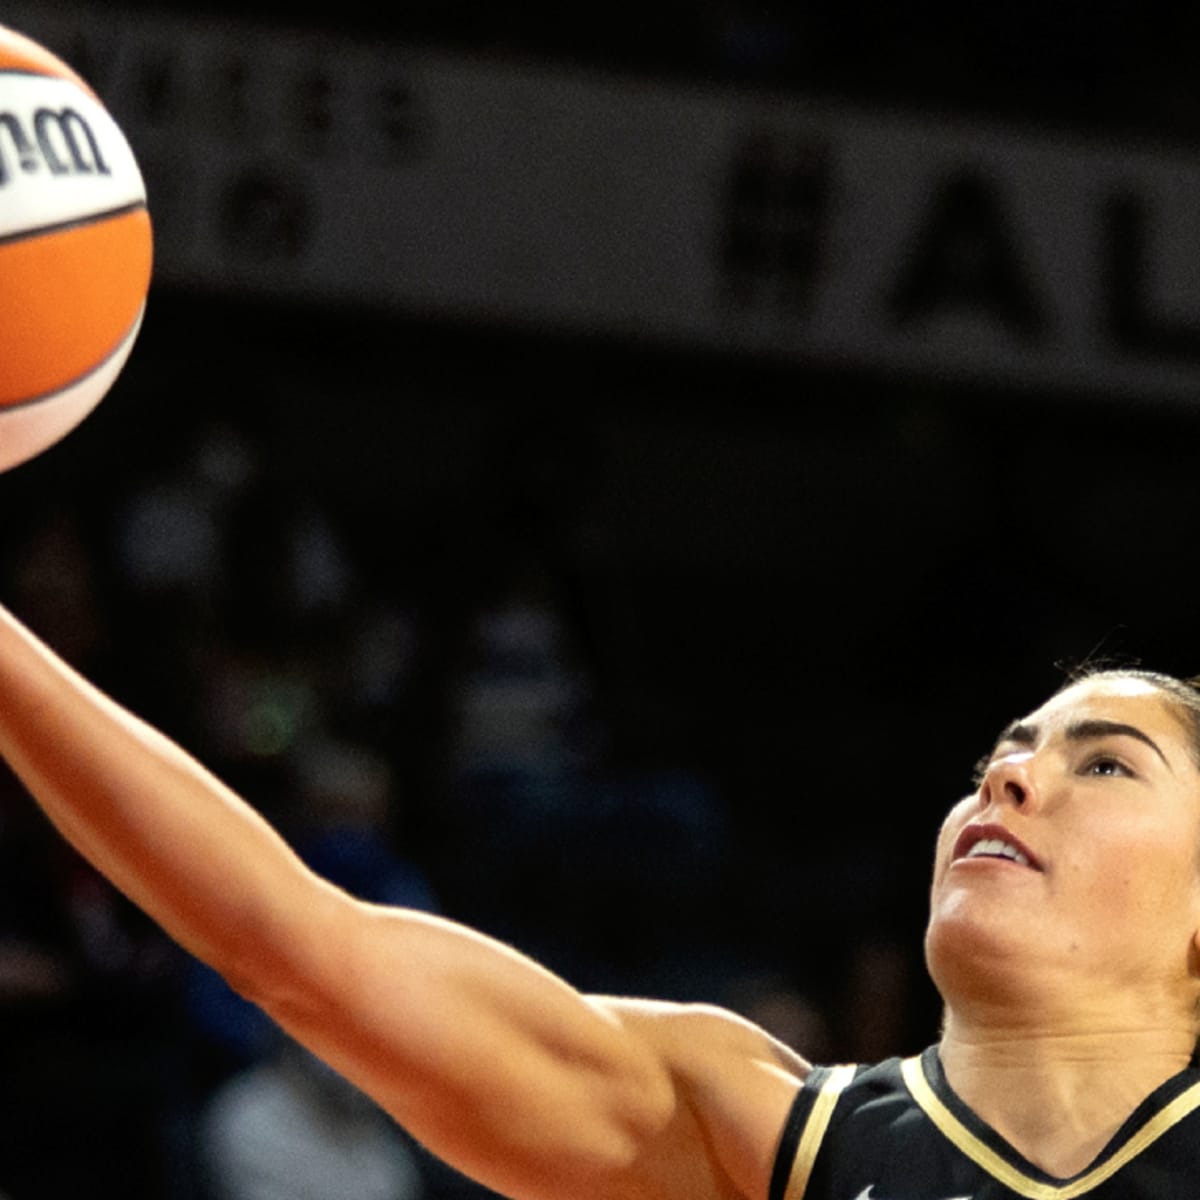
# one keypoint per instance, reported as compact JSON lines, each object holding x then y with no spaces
{"x":814,"y":1129}
{"x":1016,"y":1180}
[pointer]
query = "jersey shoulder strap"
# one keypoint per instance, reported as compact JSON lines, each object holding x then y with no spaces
{"x":804,"y":1130}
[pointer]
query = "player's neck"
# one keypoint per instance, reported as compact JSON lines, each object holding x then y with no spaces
{"x":1059,"y":1094}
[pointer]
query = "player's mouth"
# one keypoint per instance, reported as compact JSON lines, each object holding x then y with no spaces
{"x":993,"y":842}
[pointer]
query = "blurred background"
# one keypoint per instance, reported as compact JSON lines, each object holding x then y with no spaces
{"x":602,"y":474}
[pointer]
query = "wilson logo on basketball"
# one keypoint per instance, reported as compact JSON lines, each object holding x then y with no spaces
{"x":61,"y":141}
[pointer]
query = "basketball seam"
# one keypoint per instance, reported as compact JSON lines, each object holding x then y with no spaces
{"x":74,"y":223}
{"x":47,"y":73}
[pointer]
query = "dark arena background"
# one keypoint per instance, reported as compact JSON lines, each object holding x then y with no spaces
{"x":603,"y":474}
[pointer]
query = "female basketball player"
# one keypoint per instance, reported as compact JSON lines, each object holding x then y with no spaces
{"x":1063,"y":936}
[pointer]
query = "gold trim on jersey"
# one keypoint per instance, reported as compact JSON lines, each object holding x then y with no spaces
{"x":1016,"y":1180}
{"x":814,"y":1130}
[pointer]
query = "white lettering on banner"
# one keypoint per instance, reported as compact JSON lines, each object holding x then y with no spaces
{"x":303,"y":166}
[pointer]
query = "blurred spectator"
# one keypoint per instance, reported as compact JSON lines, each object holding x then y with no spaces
{"x":291,"y":1128}
{"x":87,"y":999}
{"x":36,"y":964}
{"x":876,"y":1011}
{"x":368,"y":675}
{"x":53,"y":577}
{"x":87,"y":984}
{"x":776,"y":1004}
{"x":522,"y":740}
{"x":349,"y":809}
{"x":171,"y":528}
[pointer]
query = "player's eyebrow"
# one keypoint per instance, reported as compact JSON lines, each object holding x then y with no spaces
{"x":1097,"y":728}
{"x":1020,"y":732}
{"x":1025,"y":734}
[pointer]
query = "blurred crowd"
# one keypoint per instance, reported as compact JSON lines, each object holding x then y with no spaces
{"x":443,"y":741}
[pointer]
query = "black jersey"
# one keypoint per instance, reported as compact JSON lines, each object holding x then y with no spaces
{"x":896,"y":1131}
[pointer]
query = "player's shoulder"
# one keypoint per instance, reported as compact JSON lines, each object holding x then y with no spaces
{"x":735,"y":1080}
{"x":695,"y":1034}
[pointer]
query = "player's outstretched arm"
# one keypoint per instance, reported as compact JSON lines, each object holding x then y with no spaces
{"x":497,"y":1065}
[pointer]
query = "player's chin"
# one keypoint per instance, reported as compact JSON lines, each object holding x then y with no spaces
{"x":959,"y":948}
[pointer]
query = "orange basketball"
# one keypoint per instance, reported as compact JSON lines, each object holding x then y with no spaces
{"x":75,"y":249}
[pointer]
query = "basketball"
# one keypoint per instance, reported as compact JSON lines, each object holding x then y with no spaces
{"x":75,"y":249}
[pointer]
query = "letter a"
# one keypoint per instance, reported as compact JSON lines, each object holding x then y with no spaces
{"x":966,"y":259}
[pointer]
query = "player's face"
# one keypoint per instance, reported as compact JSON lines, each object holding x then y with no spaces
{"x":1079,"y":854}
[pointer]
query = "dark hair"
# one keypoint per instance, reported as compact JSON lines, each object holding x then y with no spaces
{"x":1183,"y":694}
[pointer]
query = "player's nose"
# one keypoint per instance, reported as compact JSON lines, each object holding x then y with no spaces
{"x":1010,"y":780}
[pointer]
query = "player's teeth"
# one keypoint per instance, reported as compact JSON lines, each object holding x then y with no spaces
{"x":996,"y":848}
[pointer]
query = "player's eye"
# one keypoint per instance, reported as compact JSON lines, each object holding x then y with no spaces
{"x":1106,"y":766}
